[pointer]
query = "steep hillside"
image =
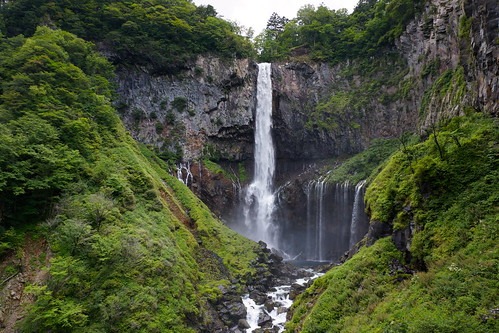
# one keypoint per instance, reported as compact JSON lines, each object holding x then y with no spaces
{"x":130,"y":248}
{"x":434,"y":204}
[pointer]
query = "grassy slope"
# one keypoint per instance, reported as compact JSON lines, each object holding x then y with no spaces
{"x":133,"y":249}
{"x":451,"y":202}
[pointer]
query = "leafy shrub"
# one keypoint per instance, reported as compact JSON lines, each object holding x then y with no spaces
{"x":179,"y":104}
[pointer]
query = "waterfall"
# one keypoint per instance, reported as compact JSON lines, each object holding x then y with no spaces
{"x":260,"y":200}
{"x":320,"y":220}
{"x":357,"y":212}
{"x":335,"y":220}
{"x":184,"y":173}
{"x":316,"y":219}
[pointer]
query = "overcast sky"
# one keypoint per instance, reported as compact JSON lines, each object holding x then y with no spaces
{"x":255,"y":13}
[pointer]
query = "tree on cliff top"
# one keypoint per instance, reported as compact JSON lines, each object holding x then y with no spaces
{"x":334,"y":35}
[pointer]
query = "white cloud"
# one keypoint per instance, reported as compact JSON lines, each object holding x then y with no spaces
{"x":255,"y":13}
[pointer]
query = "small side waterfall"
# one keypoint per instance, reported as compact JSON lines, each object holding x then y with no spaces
{"x":184,"y":173}
{"x":259,"y":202}
{"x":335,"y":219}
{"x":357,"y":213}
{"x":315,"y":218}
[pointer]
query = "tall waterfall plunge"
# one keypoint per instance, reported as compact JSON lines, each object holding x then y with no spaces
{"x":318,"y":225}
{"x":259,"y":202}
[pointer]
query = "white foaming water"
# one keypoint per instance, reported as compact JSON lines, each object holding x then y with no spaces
{"x":280,"y":298}
{"x":354,"y":237}
{"x":260,"y":199}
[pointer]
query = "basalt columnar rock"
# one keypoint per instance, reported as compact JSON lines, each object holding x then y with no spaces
{"x":452,"y":55}
{"x":445,"y":62}
{"x":205,"y":111}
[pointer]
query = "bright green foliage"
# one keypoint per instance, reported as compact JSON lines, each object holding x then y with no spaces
{"x":334,"y":35}
{"x":133,"y":249}
{"x":360,"y":166}
{"x":54,"y":97}
{"x":158,"y":33}
{"x":452,"y":204}
{"x":354,"y":287}
{"x":450,"y":83}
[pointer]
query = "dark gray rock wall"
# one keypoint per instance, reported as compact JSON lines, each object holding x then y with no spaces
{"x":455,"y":40}
{"x":206,"y":111}
{"x":323,"y":111}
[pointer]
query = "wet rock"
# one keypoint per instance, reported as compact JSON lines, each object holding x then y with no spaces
{"x":230,"y":307}
{"x":264,"y":320}
{"x":296,"y":289}
{"x":269,"y":305}
{"x":281,"y":310}
{"x":243,"y":324}
{"x":233,"y":311}
{"x":258,"y":296}
{"x":378,"y":230}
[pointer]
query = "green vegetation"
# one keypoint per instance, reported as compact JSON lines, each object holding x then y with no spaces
{"x":357,"y":285}
{"x":239,"y":175}
{"x":362,"y":165}
{"x":180,"y":104}
{"x":334,"y":35}
{"x":448,"y":283}
{"x":451,"y":83}
{"x":347,"y":106}
{"x":133,"y":250}
{"x":215,"y":168}
{"x":162,"y":34}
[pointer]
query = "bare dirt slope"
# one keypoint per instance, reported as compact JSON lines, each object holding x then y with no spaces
{"x":18,"y":270}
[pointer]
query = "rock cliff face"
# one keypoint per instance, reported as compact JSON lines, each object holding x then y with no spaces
{"x":207,"y":111}
{"x":323,"y":111}
{"x":445,"y":62}
{"x":484,"y":39}
{"x":453,"y":58}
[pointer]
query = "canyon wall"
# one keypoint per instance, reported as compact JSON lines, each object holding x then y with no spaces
{"x":446,"y":63}
{"x":207,"y":111}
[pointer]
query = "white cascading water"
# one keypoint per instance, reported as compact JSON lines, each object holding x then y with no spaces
{"x":356,"y":212}
{"x":280,"y":297}
{"x":315,"y":235}
{"x":184,"y":173}
{"x":335,"y":219}
{"x":260,"y":199}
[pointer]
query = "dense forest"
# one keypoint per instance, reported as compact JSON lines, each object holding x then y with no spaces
{"x":162,"y":34}
{"x":100,"y":237}
{"x":335,"y":35}
{"x":165,"y":34}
